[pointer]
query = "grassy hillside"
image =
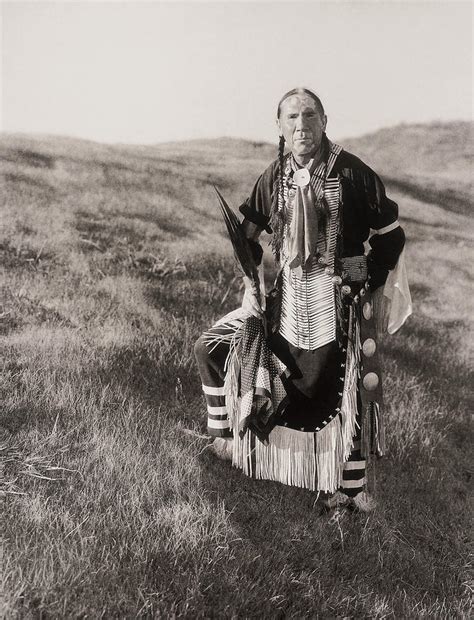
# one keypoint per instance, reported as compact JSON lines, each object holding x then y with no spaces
{"x":114,"y":260}
{"x":431,"y":162}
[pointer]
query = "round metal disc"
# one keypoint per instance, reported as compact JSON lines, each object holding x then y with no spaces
{"x":369,"y":347}
{"x":301,"y":177}
{"x":367,"y":311}
{"x":370,"y":381}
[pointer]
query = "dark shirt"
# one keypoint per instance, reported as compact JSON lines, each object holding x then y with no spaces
{"x":365,"y":206}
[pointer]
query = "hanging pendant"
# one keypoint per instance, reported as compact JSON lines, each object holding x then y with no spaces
{"x":301,"y":177}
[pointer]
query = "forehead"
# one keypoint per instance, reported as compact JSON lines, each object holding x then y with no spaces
{"x":297,"y":103}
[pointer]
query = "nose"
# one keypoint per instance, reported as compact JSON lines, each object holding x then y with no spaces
{"x":300,"y":123}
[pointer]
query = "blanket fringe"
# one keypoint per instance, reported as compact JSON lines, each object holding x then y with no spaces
{"x":231,"y":386}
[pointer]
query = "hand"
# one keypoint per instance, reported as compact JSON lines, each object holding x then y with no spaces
{"x":250,"y":303}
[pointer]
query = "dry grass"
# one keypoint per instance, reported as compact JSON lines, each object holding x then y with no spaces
{"x":113,"y":261}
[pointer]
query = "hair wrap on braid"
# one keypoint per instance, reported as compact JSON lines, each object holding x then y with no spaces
{"x":281,"y":159}
{"x":277,"y":216}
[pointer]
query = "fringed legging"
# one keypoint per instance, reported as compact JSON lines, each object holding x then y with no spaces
{"x":210,"y":361}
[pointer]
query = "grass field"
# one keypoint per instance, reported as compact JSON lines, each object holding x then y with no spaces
{"x":114,"y":260}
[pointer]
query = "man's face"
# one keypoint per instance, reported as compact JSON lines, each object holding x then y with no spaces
{"x":301,"y":124}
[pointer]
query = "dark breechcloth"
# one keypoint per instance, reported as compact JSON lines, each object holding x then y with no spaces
{"x":313,"y":383}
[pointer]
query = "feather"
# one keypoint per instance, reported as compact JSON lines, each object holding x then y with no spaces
{"x":239,"y":241}
{"x":242,"y":250}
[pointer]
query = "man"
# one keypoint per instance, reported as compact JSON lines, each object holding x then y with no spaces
{"x":303,"y":405}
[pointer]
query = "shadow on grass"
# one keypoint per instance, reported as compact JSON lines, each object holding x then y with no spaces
{"x":24,"y":257}
{"x":418,"y":234}
{"x":450,"y":199}
{"x":164,"y":222}
{"x":198,"y":292}
{"x":21,"y":187}
{"x":29,"y":158}
{"x":105,"y":234}
{"x":19,"y":178}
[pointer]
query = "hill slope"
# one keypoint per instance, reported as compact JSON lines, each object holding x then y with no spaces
{"x":431,"y":162}
{"x":113,"y":262}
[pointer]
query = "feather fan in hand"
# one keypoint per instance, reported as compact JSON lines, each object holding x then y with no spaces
{"x":240,"y":244}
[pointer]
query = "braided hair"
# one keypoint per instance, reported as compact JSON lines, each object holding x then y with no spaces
{"x":281,"y":161}
{"x":277,"y":215}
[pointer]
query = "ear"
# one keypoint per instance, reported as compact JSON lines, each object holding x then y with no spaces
{"x":278,"y":124}
{"x":325,"y":122}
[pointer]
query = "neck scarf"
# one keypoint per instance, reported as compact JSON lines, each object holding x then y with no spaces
{"x":309,"y":209}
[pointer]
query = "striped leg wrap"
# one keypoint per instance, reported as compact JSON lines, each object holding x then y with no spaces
{"x":353,"y":475}
{"x":211,"y":369}
{"x":217,"y":421}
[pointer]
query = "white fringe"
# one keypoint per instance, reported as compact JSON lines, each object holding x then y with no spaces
{"x":308,"y":460}
{"x":231,"y":388}
{"x":290,"y":457}
{"x":242,"y":452}
{"x":349,"y":397}
{"x":232,"y":337}
{"x":329,"y":461}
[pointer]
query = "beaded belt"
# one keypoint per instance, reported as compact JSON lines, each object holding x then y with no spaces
{"x":354,"y":269}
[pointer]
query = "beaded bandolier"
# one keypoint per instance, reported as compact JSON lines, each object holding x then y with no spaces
{"x":308,"y":317}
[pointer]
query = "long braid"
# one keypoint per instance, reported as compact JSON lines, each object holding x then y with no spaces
{"x":281,"y":153}
{"x":278,"y":211}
